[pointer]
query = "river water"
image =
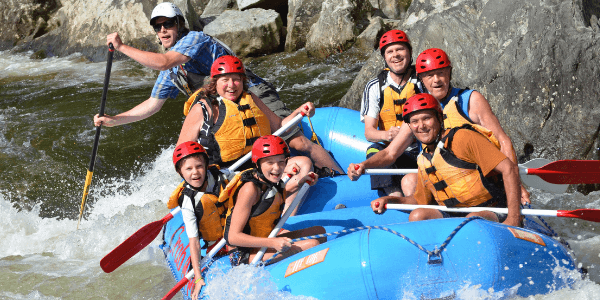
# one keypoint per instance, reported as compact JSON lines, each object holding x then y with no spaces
{"x":46,"y":136}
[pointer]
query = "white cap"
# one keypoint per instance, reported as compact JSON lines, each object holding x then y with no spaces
{"x":165,"y":9}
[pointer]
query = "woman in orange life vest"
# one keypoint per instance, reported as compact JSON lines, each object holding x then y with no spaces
{"x":457,"y":167}
{"x":237,"y":118}
{"x":256,"y":204}
{"x":198,"y":201}
{"x":434,"y":69}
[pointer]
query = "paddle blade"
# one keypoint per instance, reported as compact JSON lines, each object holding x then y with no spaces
{"x":131,"y":246}
{"x":587,"y":214}
{"x":570,"y":172}
{"x":176,"y":288}
{"x":539,"y":183}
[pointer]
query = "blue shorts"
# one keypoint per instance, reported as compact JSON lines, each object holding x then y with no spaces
{"x":408,"y":160}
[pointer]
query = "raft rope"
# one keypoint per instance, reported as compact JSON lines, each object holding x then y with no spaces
{"x":434,"y":257}
{"x":554,"y":234}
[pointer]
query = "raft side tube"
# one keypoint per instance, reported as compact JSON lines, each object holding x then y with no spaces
{"x":376,"y":264}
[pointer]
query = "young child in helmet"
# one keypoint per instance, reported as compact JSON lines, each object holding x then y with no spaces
{"x":256,"y":205}
{"x":202,"y":214}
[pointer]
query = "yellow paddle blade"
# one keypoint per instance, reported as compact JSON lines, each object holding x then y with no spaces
{"x":88,"y":181}
{"x":314,"y":137}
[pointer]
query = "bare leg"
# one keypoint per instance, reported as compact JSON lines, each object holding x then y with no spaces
{"x":488,"y":215}
{"x":421,"y":214}
{"x":319,"y":155}
{"x":409,"y":184}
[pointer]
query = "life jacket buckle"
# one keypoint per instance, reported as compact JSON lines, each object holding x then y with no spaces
{"x":434,"y":258}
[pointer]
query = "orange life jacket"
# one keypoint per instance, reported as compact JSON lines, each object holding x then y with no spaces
{"x":454,"y":117}
{"x":187,"y":106}
{"x":454,"y":182}
{"x":265,"y":214}
{"x":207,"y":213}
{"x":216,"y":184}
{"x":237,"y":127}
{"x":391,"y":101}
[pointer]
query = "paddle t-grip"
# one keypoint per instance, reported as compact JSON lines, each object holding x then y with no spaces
{"x":376,"y":204}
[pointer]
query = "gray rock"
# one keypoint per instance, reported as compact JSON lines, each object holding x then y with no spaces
{"x":24,"y":20}
{"x":264,"y":4}
{"x":590,"y":8}
{"x":216,"y":7}
{"x":199,"y":6}
{"x":302,"y":14}
{"x":391,"y":9}
{"x":370,"y":69}
{"x":76,"y":28}
{"x":250,"y":32}
{"x":339,"y":23}
{"x":535,"y":62}
{"x":368,"y":40}
{"x":594,"y":23}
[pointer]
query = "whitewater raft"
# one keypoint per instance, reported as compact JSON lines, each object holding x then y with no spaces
{"x":369,"y":256}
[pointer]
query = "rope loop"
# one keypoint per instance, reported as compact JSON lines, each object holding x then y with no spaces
{"x":434,"y":257}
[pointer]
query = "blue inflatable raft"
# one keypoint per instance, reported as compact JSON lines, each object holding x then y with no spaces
{"x":369,"y":256}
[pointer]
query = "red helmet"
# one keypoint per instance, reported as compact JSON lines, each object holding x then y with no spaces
{"x":227,"y":64}
{"x":186,"y":149}
{"x":420,"y":102}
{"x":269,"y":145}
{"x":432,"y":59}
{"x":393,"y":36}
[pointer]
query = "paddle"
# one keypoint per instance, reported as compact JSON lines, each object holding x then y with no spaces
{"x":539,"y":173}
{"x":566,"y":171}
{"x":145,"y":235}
{"x":135,"y":243}
{"x":587,"y":214}
{"x":222,"y":243}
{"x":537,"y":182}
{"x":90,"y":172}
{"x":190,"y":274}
{"x":388,"y":171}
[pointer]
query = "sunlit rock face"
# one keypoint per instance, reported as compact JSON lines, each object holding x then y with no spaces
{"x":337,"y":27}
{"x":251,"y":32}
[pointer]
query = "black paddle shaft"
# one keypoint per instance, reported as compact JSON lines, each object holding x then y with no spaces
{"x":109,"y":59}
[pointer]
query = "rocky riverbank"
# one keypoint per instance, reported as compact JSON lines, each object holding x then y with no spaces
{"x":536,"y":61}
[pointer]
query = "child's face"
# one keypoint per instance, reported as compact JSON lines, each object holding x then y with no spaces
{"x":193,"y":170}
{"x":272,"y":167}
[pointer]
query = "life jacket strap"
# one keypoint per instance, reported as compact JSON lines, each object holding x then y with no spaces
{"x":244,"y":107}
{"x":440,"y":186}
{"x":430,"y":170}
{"x":400,"y":101}
{"x":250,"y":141}
{"x":452,"y":202}
{"x":249,"y":122}
{"x":205,"y":130}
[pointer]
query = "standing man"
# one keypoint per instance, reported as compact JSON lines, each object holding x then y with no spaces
{"x":460,"y":106}
{"x":458,"y":167}
{"x":182,"y":68}
{"x":381,"y":109}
